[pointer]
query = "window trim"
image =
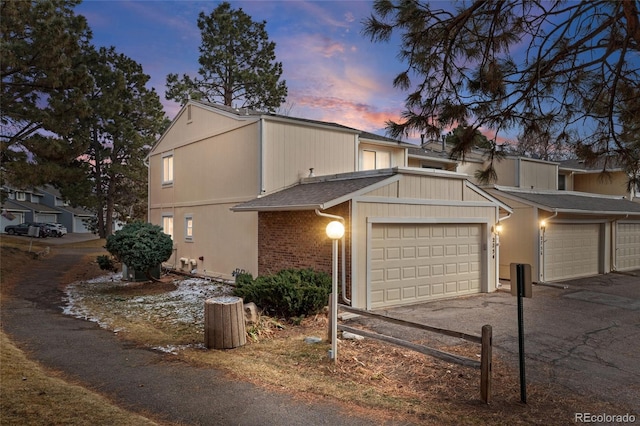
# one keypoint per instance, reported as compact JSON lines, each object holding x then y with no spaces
{"x":376,"y":158}
{"x":188,"y":230}
{"x":169,"y":157}
{"x":168,"y":216}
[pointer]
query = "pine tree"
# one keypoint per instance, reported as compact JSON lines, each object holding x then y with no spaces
{"x":237,"y":64}
{"x":44,"y":82}
{"x":568,"y":70}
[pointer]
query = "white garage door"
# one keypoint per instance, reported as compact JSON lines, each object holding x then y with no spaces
{"x":411,"y":263}
{"x":46,"y":218}
{"x":571,"y":250}
{"x":628,"y":246}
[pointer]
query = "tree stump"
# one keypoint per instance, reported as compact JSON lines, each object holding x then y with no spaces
{"x":224,"y":323}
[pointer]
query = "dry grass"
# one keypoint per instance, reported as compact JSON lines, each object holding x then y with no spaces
{"x":33,"y":395}
{"x":370,"y":378}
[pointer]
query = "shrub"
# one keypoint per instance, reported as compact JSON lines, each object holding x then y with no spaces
{"x":290,"y":293}
{"x":106,"y":263}
{"x":140,"y":246}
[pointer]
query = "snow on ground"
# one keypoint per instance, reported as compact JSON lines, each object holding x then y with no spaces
{"x":105,"y":298}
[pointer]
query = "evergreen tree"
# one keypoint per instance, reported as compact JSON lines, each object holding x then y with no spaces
{"x":44,"y":82}
{"x":574,"y":78}
{"x":124,"y":121}
{"x":237,"y":64}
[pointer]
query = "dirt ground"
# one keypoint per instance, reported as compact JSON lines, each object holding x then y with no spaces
{"x":414,"y":389}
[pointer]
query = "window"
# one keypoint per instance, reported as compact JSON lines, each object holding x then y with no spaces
{"x":167,"y":169}
{"x":372,"y":160}
{"x":21,"y":196}
{"x":188,"y":228}
{"x":167,"y":225}
{"x":562,"y":182}
{"x":189,"y":117}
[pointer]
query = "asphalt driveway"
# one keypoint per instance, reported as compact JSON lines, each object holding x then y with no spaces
{"x":585,"y":336}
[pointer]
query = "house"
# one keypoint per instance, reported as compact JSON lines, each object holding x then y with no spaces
{"x":43,"y":204}
{"x":244,"y":190}
{"x":568,"y":220}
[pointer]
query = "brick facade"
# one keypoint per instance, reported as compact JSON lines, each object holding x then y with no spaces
{"x":297,"y":239}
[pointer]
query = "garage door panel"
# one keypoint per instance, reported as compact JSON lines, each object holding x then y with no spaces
{"x":628,"y":246}
{"x":571,"y":250}
{"x":427,"y":261}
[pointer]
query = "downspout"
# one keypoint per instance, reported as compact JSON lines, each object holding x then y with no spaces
{"x":261,"y":189}
{"x":541,"y":265}
{"x":344,"y":255}
{"x":496,"y":246}
{"x":614,"y":243}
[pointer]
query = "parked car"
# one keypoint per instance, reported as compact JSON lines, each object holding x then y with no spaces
{"x":23,"y":229}
{"x":56,"y":229}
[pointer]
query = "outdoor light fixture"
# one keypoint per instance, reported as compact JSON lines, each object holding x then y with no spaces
{"x":497,"y":229}
{"x":543,"y":224}
{"x":335,"y":231}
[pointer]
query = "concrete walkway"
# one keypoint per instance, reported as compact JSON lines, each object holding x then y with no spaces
{"x":138,"y":379}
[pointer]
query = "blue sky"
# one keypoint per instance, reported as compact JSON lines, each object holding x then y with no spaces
{"x":332,"y":71}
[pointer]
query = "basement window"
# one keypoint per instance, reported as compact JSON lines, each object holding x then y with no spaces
{"x":188,"y":228}
{"x":167,"y":225}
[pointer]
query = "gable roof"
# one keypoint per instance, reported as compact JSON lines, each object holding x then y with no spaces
{"x":572,"y":202}
{"x":318,"y":193}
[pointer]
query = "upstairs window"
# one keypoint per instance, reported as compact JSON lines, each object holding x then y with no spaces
{"x":167,"y":169}
{"x":372,"y":160}
{"x":562,"y":182}
{"x":21,"y":196}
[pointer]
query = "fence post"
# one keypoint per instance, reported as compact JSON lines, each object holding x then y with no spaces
{"x":485,"y":364}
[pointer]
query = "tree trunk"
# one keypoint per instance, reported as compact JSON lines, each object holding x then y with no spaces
{"x":224,"y":326}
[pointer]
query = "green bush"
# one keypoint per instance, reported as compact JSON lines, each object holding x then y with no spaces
{"x":106,"y":263}
{"x":290,"y":293}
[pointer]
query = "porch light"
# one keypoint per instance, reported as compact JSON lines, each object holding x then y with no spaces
{"x":497,"y":229}
{"x":335,"y":231}
{"x":543,"y":224}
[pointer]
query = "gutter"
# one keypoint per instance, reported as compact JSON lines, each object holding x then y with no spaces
{"x":344,"y":255}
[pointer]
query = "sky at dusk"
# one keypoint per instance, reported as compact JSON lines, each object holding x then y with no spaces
{"x":332,"y":71}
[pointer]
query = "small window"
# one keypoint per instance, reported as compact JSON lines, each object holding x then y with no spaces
{"x":167,"y":225}
{"x":372,"y":160}
{"x":188,"y":228}
{"x":562,"y":182}
{"x":189,"y":118}
{"x":21,"y":196}
{"x":167,"y":169}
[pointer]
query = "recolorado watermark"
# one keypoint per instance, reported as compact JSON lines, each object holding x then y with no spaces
{"x":603,"y":418}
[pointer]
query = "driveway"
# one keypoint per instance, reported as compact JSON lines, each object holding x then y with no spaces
{"x":583,"y":334}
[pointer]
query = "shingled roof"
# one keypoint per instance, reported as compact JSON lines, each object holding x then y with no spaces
{"x":313,"y":194}
{"x":573,"y":202}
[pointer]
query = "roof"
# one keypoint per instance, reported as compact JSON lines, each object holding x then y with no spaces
{"x":317,"y":193}
{"x":598,"y":166}
{"x":11,"y":206}
{"x":39,"y":208}
{"x":572,"y":202}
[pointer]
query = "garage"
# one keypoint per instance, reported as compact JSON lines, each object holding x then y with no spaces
{"x":413,"y":263}
{"x":572,"y":250}
{"x":628,"y":246}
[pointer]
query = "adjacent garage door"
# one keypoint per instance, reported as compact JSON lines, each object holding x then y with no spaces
{"x":411,"y":263}
{"x":571,"y":250}
{"x":628,"y":246}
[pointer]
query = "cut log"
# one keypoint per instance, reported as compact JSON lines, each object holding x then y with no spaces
{"x":224,"y":323}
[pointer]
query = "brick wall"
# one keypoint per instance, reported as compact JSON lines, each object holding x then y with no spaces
{"x":297,"y":239}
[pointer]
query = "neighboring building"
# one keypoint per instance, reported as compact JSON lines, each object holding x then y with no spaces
{"x":575,"y":175}
{"x":240,"y":190}
{"x":42,"y":205}
{"x":590,"y":226}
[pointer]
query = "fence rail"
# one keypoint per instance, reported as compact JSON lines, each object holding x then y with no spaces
{"x":485,"y":340}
